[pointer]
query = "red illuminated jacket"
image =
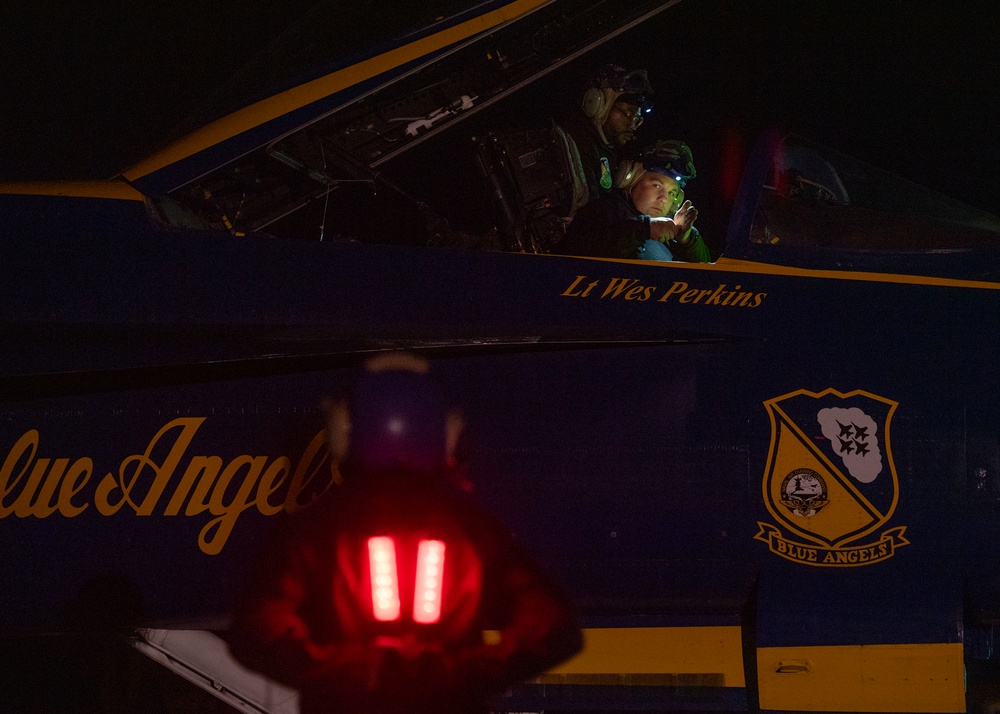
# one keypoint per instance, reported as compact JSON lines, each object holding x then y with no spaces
{"x":307,"y":618}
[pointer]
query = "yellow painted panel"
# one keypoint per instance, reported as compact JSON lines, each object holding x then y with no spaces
{"x":870,"y":678}
{"x":678,"y":656}
{"x":83,"y":189}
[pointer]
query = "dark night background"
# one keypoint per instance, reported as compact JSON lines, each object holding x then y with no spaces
{"x":908,"y":85}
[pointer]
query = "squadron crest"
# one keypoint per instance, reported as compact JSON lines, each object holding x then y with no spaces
{"x":830,"y":482}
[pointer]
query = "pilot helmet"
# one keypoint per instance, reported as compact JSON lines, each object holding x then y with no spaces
{"x":668,"y":158}
{"x":610,"y":84}
{"x":394,"y":419}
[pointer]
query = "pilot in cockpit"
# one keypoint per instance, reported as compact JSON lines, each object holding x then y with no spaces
{"x":646,"y":216}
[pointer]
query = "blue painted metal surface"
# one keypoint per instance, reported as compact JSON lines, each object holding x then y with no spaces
{"x":161,"y":393}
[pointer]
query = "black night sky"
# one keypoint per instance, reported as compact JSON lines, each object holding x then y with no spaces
{"x":912,"y":86}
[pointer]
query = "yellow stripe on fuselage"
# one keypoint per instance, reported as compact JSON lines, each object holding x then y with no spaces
{"x":304,"y":94}
{"x":76,"y":189}
{"x":659,"y":656}
{"x":732,"y":265}
{"x":862,"y":678}
{"x":746,"y":266}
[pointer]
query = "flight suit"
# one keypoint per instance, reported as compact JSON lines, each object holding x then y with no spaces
{"x":611,"y":227}
{"x":598,"y":158}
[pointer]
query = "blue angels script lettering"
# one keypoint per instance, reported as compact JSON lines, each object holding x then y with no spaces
{"x":174,"y":483}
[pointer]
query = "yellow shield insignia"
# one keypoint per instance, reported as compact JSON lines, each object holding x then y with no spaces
{"x":830,"y":480}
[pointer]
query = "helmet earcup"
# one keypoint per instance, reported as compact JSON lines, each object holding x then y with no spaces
{"x":626,"y":172}
{"x":593,"y":102}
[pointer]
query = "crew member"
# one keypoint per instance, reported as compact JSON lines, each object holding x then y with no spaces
{"x":646,"y":216}
{"x":613,"y":107}
{"x":376,"y":599}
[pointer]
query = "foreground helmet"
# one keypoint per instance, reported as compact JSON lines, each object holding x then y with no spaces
{"x":669,"y":158}
{"x":397,"y":419}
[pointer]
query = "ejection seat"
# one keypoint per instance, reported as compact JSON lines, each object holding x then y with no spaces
{"x":536,"y":182}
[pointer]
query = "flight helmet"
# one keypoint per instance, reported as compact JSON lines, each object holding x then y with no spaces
{"x":669,"y":158}
{"x":393,"y":419}
{"x":611,"y":83}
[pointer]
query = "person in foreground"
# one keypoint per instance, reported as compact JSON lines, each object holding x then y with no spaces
{"x":376,"y":597}
{"x":646,"y":217}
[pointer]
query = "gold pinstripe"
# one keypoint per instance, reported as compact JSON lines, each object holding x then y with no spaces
{"x":82,"y":189}
{"x":304,"y":94}
{"x":731,"y":265}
